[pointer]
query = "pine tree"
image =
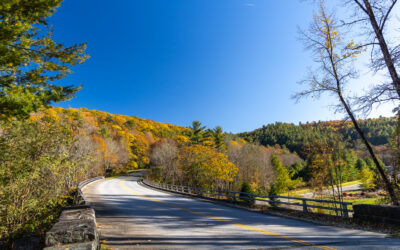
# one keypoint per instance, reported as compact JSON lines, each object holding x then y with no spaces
{"x":30,"y":60}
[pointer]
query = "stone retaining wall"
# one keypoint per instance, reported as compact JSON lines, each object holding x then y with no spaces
{"x":377,"y":213}
{"x":76,"y":229}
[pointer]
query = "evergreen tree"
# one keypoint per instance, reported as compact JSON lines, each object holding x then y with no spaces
{"x":30,"y":60}
{"x":218,"y":138}
{"x":360,"y":164}
{"x":283,"y":181}
{"x":196,"y":133}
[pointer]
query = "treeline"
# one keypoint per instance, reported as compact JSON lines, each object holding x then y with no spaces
{"x":210,"y":158}
{"x":297,"y":138}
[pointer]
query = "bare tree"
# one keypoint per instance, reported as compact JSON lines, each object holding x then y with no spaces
{"x":335,"y":58}
{"x":253,"y":162}
{"x":117,"y":156}
{"x":373,"y":16}
{"x":164,"y":154}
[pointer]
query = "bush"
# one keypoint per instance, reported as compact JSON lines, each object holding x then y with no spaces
{"x":246,"y":188}
{"x":40,"y":164}
{"x":273,"y":191}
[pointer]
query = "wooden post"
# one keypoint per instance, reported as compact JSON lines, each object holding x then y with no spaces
{"x":305,"y":210}
{"x":346,"y":211}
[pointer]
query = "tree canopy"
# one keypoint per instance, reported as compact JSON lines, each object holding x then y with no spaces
{"x":30,"y":60}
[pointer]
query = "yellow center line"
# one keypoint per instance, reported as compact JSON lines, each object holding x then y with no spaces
{"x":262,"y":231}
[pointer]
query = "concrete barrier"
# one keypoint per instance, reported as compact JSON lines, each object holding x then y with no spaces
{"x":377,"y":213}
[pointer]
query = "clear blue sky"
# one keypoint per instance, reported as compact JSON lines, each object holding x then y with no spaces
{"x":233,"y":63}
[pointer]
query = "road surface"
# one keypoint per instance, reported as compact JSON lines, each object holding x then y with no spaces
{"x":130,"y":215}
{"x":328,"y":191}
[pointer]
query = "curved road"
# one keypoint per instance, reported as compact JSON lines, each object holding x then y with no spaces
{"x":130,"y":215}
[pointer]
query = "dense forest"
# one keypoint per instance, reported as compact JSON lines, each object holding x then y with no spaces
{"x":297,"y":138}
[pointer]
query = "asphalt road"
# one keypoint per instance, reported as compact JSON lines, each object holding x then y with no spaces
{"x":355,"y":187}
{"x":130,"y":215}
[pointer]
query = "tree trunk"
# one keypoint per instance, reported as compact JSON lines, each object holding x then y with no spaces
{"x":388,"y":184}
{"x":384,"y":48}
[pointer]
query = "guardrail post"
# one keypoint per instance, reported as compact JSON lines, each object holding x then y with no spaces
{"x":234,"y":197}
{"x":305,"y":210}
{"x":346,"y":211}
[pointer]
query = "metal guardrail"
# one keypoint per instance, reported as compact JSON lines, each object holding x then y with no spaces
{"x":88,"y":181}
{"x":80,"y":198}
{"x":306,"y":205}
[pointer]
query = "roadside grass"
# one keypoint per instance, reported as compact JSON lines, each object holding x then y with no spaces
{"x":369,"y":201}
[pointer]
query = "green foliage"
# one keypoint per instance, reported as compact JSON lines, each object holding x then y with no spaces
{"x":38,"y":169}
{"x":218,"y":138}
{"x":246,"y":188}
{"x":370,"y":163}
{"x":283,"y":181}
{"x":30,"y":60}
{"x":129,"y":124}
{"x":104,"y":131}
{"x":196,"y":132}
{"x":360,"y":164}
{"x":350,"y":170}
{"x":297,"y":170}
{"x":298,"y":137}
{"x":367,"y":178}
{"x":273,"y":191}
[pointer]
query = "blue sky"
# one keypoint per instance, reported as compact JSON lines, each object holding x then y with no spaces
{"x":233,"y":63}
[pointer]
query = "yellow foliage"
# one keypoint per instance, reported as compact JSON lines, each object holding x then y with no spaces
{"x":204,"y":167}
{"x":181,"y":139}
{"x":139,"y":134}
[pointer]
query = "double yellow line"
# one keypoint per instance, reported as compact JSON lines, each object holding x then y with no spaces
{"x":261,"y":231}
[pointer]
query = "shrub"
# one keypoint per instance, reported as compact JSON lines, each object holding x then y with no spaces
{"x":246,"y":188}
{"x":39,"y":165}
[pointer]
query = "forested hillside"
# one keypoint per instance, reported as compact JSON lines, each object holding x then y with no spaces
{"x":298,"y":138}
{"x":47,"y":154}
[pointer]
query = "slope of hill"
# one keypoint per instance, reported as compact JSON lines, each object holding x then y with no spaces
{"x":123,"y":141}
{"x":297,"y":137}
